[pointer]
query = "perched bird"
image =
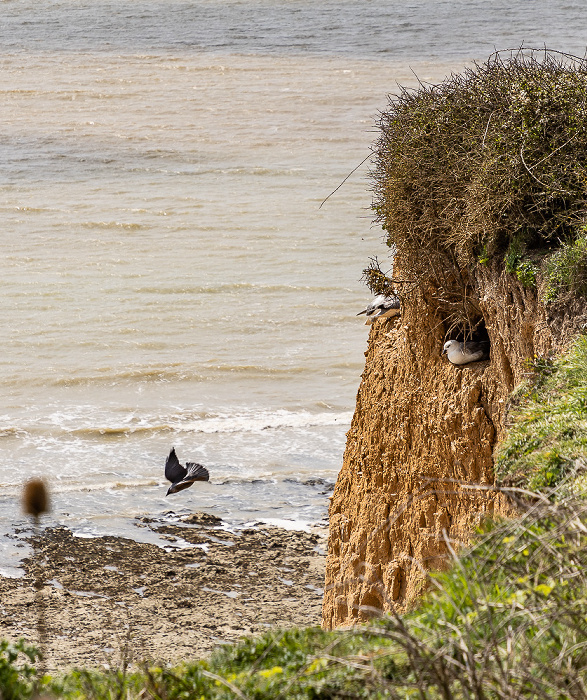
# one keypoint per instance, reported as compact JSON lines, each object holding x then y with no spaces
{"x":461,"y":353}
{"x":381,"y":307}
{"x":182,"y":477}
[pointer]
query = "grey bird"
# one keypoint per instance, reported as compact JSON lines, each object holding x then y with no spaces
{"x":383,"y":306}
{"x":183,"y":477}
{"x":462,"y":353}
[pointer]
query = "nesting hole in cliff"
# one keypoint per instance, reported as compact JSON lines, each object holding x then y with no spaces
{"x":474,"y":330}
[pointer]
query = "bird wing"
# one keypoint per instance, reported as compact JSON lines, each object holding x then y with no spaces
{"x":196,"y":472}
{"x":473,"y":356}
{"x":390,"y":308}
{"x":390,"y":303}
{"x":479,"y":349}
{"x":173,"y":470}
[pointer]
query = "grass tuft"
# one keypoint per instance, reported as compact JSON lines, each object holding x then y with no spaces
{"x":547,"y":438}
{"x":565,"y":271}
{"x":17,"y":671}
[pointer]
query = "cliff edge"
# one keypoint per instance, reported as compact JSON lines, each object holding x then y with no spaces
{"x":481,"y":189}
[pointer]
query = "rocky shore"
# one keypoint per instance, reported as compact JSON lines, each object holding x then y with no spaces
{"x":109,"y":600}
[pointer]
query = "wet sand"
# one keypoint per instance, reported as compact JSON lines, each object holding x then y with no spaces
{"x":111,"y":599}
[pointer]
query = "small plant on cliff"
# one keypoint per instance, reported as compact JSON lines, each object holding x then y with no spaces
{"x":547,"y":439}
{"x":565,"y":271}
{"x":515,"y":263}
{"x":379,"y":282}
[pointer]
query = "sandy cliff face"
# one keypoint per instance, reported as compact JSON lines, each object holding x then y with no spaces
{"x":421,"y":443}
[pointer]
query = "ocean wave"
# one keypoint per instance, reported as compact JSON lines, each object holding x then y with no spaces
{"x":84,"y":423}
{"x":246,"y":423}
{"x":112,"y":376}
{"x":167,"y":374}
{"x":112,"y":225}
{"x":75,"y":485}
{"x":9,"y":431}
{"x":10,"y":490}
{"x":235,"y":287}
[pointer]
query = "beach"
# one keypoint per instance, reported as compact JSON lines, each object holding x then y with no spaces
{"x":108,"y":601}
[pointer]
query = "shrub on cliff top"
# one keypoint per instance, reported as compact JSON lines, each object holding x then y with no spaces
{"x":494,"y":153}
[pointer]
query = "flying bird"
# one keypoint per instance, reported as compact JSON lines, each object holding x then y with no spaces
{"x":183,"y":477}
{"x":462,"y":353}
{"x":383,"y":306}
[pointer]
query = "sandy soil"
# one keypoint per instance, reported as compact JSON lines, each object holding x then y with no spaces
{"x":109,"y":597}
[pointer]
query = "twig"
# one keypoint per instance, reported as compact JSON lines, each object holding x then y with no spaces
{"x":346,"y":178}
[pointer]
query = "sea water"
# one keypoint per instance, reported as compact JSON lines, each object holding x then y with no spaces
{"x":170,"y":273}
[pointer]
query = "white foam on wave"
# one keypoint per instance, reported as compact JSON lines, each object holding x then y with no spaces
{"x":284,"y":524}
{"x":255,"y":423}
{"x":83,"y":422}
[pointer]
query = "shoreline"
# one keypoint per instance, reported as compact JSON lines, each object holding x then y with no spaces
{"x":110,"y":600}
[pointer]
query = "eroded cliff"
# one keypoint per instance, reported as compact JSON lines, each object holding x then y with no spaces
{"x":418,"y":465}
{"x":477,"y":232}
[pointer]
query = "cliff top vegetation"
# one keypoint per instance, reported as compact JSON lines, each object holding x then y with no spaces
{"x":545,"y":448}
{"x":489,"y":164}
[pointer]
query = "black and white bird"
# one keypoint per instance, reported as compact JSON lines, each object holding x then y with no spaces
{"x":183,"y":477}
{"x":462,"y":353}
{"x":383,"y":306}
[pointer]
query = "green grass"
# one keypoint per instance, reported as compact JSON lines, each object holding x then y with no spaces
{"x":516,"y":263}
{"x":547,"y":440}
{"x":565,"y":271}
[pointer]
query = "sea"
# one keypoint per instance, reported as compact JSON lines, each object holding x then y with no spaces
{"x":185,"y":207}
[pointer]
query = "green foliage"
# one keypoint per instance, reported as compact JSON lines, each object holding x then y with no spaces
{"x":548,"y":436}
{"x":513,"y":256}
{"x":16,"y":672}
{"x":299,"y":663}
{"x":509,"y":620}
{"x":281,"y":649}
{"x":483,"y":257}
{"x":565,"y":271}
{"x":525,"y":270}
